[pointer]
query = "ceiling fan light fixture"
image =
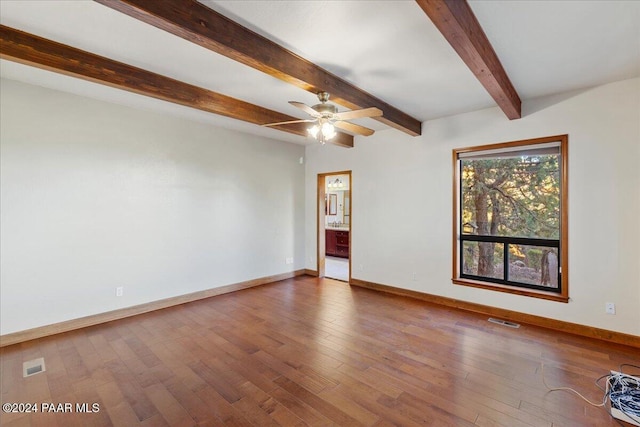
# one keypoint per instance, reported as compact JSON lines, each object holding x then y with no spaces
{"x":313,"y":131}
{"x":322,"y":131}
{"x":328,"y":130}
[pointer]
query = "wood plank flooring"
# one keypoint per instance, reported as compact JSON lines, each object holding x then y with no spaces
{"x":308,"y":351}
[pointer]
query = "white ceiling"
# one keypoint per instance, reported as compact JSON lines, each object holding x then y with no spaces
{"x":387,"y":48}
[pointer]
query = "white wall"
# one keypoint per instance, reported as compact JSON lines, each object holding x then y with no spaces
{"x":411,"y":177}
{"x":96,"y":195}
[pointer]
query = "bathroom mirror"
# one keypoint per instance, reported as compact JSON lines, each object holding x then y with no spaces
{"x":332,"y":205}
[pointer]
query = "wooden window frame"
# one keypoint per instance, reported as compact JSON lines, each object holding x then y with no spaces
{"x":563,"y":295}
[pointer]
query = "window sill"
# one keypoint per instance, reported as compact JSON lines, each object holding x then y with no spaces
{"x":552,"y":296}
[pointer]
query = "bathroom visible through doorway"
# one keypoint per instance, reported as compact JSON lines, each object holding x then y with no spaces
{"x":334,"y":225}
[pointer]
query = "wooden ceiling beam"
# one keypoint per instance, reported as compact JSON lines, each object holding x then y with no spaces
{"x":25,"y":48}
{"x":458,"y":24}
{"x":201,"y":25}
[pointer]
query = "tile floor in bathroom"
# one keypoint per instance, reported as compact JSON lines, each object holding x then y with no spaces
{"x":336,"y":268}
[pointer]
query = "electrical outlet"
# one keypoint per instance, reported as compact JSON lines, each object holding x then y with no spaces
{"x":610,"y":308}
{"x":361,"y":267}
{"x":414,"y":276}
{"x":288,"y":260}
{"x":119,"y":291}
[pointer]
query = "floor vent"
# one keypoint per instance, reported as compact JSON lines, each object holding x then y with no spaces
{"x":33,"y":367}
{"x":504,"y":323}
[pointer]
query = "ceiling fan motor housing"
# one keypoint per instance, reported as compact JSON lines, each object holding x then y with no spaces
{"x":327,"y":110}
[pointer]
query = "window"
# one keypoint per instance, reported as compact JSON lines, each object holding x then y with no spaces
{"x":510,"y":217}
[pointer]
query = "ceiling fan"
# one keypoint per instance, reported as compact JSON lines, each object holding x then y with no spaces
{"x":327,"y":118}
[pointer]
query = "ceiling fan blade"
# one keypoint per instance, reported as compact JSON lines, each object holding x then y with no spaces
{"x":305,"y":108}
{"x":352,"y":127}
{"x":289,"y":122}
{"x":358,"y":114}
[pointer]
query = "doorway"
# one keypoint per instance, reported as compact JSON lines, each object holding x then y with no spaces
{"x":334,"y":225}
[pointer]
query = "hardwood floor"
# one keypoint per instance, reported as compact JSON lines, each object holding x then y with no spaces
{"x":308,"y":351}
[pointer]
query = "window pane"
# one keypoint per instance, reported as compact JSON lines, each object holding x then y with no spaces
{"x":533,"y":265}
{"x":508,"y":204}
{"x":483,"y":259}
{"x":514,"y":197}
